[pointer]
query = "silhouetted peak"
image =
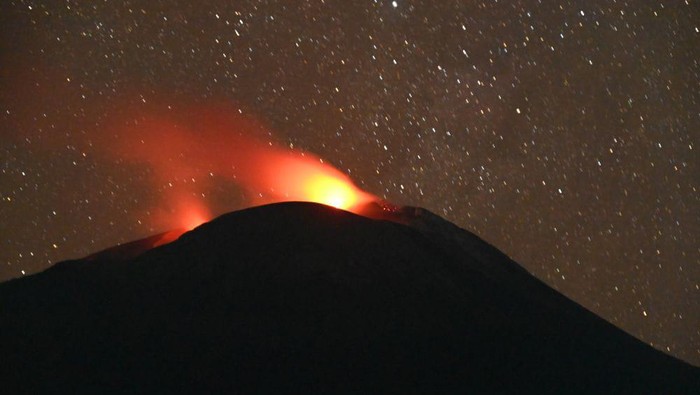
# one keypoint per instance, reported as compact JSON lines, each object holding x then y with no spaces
{"x":302,"y":297}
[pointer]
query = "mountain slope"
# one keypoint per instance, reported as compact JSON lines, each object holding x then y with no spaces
{"x":299,"y":297}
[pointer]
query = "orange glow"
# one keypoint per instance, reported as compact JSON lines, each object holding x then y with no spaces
{"x":331,"y":191}
{"x":189,"y":214}
{"x":192,"y":218}
{"x":189,"y":211}
{"x":197,"y":150}
{"x":292,"y":176}
{"x":183,"y":212}
{"x":169,"y":237}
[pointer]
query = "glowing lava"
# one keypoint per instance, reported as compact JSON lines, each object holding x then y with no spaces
{"x":189,"y":214}
{"x":332,"y":192}
{"x":189,"y":211}
{"x":197,"y":150}
{"x":192,"y":218}
{"x":293,"y":176}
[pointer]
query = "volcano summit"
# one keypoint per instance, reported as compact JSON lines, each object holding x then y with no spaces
{"x":305,"y":298}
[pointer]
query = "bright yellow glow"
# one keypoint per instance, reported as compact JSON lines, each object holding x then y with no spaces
{"x":332,"y":192}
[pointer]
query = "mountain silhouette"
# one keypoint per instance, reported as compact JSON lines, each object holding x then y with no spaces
{"x":304,"y":298}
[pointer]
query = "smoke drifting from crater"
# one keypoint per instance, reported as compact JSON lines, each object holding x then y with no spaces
{"x":189,"y":147}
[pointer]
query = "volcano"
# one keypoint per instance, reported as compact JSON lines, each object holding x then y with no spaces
{"x":306,"y":298}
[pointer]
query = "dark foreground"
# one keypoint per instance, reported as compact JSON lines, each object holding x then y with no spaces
{"x":302,"y":298}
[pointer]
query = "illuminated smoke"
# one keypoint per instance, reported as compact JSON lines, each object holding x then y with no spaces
{"x":185,"y":148}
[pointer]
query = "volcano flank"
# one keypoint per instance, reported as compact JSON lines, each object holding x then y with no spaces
{"x":304,"y":298}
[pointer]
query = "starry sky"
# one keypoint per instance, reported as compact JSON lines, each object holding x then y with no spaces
{"x":566,"y":133}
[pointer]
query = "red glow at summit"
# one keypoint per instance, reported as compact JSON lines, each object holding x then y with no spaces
{"x":195,"y":142}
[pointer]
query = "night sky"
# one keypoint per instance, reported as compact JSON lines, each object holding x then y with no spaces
{"x":565,"y":133}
